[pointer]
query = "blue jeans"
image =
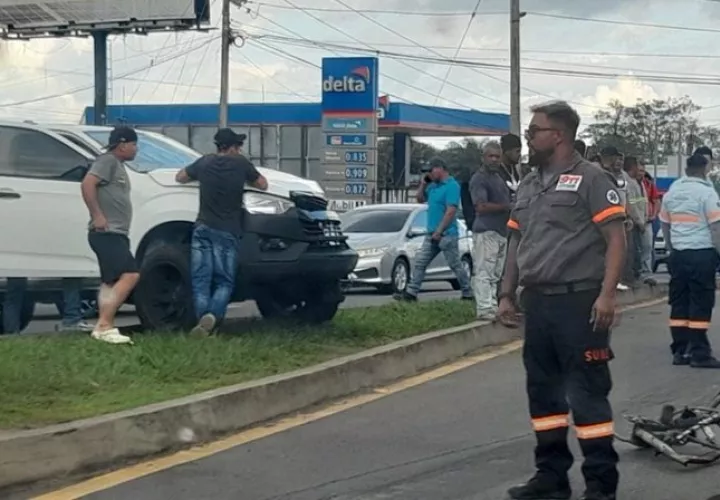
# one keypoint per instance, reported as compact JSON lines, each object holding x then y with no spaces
{"x":13,"y":304}
{"x":430,"y":249}
{"x":72,"y":302}
{"x":213,"y":262}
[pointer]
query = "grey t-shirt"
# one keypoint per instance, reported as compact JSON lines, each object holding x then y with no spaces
{"x":113,"y":193}
{"x":487,"y":186}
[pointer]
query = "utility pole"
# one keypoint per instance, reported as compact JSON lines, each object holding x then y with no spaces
{"x":100,"y":48}
{"x":225,"y":64}
{"x":515,"y":66}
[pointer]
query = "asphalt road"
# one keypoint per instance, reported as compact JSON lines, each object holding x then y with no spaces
{"x":47,"y":319}
{"x":460,"y":437}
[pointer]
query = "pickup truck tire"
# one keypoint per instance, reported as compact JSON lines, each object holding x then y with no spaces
{"x":26,"y":313}
{"x":163,"y":296}
{"x":321,"y":305}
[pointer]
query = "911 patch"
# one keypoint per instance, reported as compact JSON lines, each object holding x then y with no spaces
{"x":569,"y":182}
{"x":613,"y":197}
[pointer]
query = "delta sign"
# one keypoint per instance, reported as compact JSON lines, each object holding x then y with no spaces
{"x":349,"y":85}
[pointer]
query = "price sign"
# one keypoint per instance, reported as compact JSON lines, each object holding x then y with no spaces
{"x":356,"y":173}
{"x":356,"y":157}
{"x":356,"y":189}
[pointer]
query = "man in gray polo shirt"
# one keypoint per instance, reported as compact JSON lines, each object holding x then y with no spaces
{"x":106,"y":192}
{"x":491,"y":198}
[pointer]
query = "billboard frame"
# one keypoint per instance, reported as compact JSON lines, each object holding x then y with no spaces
{"x":100,"y":31}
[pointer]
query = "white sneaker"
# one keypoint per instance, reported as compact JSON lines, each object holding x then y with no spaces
{"x":205,"y":326}
{"x":111,"y":336}
{"x":622,"y":288}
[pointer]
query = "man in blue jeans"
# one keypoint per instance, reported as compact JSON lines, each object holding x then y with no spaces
{"x":71,"y":311}
{"x":441,"y":192}
{"x":219,"y":226}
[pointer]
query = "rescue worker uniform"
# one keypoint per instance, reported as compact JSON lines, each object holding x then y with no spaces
{"x":689,"y":207}
{"x":561,"y":263}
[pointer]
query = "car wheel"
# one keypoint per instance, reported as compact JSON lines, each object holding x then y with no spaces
{"x":26,"y":313}
{"x":163,"y":297}
{"x":467,"y":265}
{"x":400,"y":276}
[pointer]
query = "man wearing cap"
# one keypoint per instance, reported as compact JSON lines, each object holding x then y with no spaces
{"x":690,"y":221}
{"x":566,"y":249}
{"x":106,"y":191}
{"x":219,"y":225}
{"x":613,"y":161}
{"x":492,"y":189}
{"x":441,"y":192}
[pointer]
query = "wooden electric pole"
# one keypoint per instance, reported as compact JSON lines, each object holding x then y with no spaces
{"x":225,"y":64}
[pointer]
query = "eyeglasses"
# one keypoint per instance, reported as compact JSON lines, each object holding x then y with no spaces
{"x":530,"y":133}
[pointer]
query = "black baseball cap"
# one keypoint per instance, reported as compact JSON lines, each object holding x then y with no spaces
{"x":226,"y":137}
{"x":610,"y":151}
{"x":120,"y":135}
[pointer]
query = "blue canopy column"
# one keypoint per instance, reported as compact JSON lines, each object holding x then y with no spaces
{"x":402,"y":153}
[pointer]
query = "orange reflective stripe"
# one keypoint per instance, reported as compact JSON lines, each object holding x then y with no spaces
{"x":698,"y":325}
{"x":606,"y":429}
{"x":684,"y":218}
{"x":607,"y":213}
{"x":513,"y":225}
{"x":713,"y":216}
{"x":679,"y":322}
{"x":550,"y":423}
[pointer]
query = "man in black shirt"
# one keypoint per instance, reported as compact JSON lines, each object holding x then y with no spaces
{"x":219,"y":225}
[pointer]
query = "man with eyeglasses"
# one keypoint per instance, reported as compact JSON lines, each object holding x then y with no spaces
{"x":567,"y":249}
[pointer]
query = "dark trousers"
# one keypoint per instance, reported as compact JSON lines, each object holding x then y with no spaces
{"x":629,"y":276}
{"x":213,"y":262}
{"x":692,"y":298}
{"x":567,"y":369}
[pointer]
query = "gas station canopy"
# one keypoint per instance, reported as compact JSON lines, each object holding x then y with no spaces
{"x":413,"y":119}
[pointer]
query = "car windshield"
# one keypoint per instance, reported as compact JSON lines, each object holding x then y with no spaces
{"x":374,"y":221}
{"x":154,"y":151}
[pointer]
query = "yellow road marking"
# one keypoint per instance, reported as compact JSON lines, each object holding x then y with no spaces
{"x":134,"y":472}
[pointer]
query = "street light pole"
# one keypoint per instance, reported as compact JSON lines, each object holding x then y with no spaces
{"x":515,"y":16}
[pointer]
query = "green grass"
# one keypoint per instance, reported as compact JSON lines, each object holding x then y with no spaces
{"x":51,"y":379}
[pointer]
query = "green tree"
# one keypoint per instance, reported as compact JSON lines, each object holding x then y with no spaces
{"x":420,"y":153}
{"x":651,"y":129}
{"x":464,"y":157}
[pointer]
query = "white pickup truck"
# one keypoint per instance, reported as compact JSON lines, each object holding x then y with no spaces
{"x":291,"y":235}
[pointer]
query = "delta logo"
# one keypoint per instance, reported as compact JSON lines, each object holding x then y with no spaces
{"x":356,"y":82}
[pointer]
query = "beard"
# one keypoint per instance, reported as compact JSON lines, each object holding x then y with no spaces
{"x":540,"y":158}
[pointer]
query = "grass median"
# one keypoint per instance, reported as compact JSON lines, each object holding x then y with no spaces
{"x":51,"y":379}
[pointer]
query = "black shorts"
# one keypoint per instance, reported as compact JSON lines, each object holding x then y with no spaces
{"x":113,"y":255}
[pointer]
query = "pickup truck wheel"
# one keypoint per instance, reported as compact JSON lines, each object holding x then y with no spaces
{"x":26,"y":313}
{"x":163,"y":297}
{"x":323,"y":305}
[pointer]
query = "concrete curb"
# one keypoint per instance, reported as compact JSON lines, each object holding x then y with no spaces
{"x":84,"y":446}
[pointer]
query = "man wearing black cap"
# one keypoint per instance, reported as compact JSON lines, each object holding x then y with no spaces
{"x":441,"y":192}
{"x":106,"y":191}
{"x":511,"y":152}
{"x":214,"y":249}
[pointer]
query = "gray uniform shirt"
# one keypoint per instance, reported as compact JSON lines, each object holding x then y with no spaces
{"x":113,"y":193}
{"x":558,"y":224}
{"x":487,"y":186}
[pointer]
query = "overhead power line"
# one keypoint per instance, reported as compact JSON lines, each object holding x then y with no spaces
{"x":624,"y":23}
{"x":90,"y":87}
{"x":656,"y":77}
{"x":459,"y":47}
{"x":383,"y":11}
{"x":420,"y":70}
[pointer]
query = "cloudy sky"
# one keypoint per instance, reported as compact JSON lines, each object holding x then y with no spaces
{"x":51,"y":80}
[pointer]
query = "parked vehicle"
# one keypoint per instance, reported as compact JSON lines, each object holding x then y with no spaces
{"x":293,"y":253}
{"x":387,"y":239}
{"x":660,"y":256}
